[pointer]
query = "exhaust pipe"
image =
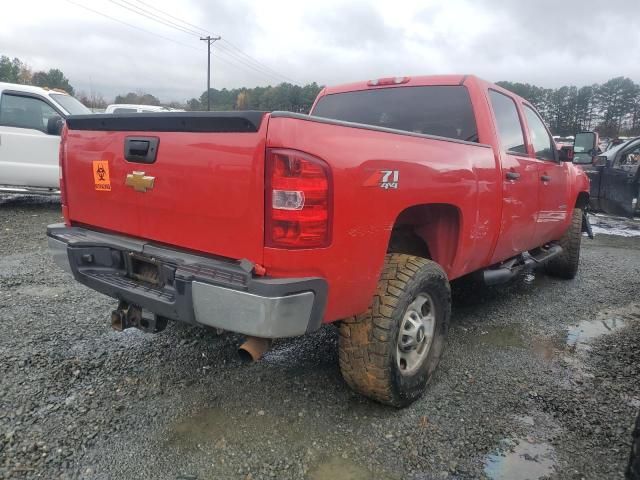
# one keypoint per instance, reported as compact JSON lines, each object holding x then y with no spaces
{"x":253,"y":348}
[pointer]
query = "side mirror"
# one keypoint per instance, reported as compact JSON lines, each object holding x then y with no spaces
{"x":54,"y":125}
{"x":585,"y":148}
{"x":566,"y":153}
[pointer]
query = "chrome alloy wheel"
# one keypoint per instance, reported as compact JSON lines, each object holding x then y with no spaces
{"x":416,"y":334}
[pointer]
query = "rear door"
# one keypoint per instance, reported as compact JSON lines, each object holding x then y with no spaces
{"x":202,"y":189}
{"x":553,"y":181}
{"x":519,"y":182}
{"x":28,"y":155}
{"x":620,"y":189}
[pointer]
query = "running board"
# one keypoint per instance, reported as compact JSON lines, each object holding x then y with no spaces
{"x":508,"y":269}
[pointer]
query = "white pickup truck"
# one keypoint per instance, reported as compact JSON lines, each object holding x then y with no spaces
{"x":30,"y":125}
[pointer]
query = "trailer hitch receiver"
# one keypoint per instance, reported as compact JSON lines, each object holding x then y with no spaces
{"x":128,"y":316}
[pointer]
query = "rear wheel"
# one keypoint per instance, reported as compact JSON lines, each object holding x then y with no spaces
{"x":566,"y":264}
{"x":390,"y":352}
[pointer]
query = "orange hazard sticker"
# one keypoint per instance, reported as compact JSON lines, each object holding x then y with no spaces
{"x":101,"y":175}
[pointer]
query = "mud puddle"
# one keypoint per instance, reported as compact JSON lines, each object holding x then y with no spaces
{"x":215,"y":427}
{"x":520,"y":459}
{"x":338,"y":468}
{"x":507,"y":336}
{"x":578,"y":337}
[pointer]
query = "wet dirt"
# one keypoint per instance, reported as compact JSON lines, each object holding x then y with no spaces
{"x":505,"y":336}
{"x":216,"y":427}
{"x":339,"y":468}
{"x":612,"y":225}
{"x":178,"y":405}
{"x":578,"y":338}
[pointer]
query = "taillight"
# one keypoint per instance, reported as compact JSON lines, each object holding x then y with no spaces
{"x":298,"y":200}
{"x":62,"y":154}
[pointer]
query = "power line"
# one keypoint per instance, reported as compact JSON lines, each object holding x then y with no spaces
{"x":200,"y":31}
{"x":131,"y":25}
{"x":241,"y":52}
{"x":203,"y":30}
{"x":227,"y":61}
{"x":135,"y":9}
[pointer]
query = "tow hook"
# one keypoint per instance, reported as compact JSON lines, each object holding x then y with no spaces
{"x":132,"y":316}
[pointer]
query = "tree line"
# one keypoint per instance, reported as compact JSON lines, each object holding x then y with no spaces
{"x":284,"y":96}
{"x":16,"y":71}
{"x":611,"y":108}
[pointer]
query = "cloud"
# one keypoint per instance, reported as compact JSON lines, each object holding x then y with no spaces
{"x":545,"y":42}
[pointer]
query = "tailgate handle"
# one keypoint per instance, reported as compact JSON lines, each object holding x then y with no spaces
{"x":141,"y":149}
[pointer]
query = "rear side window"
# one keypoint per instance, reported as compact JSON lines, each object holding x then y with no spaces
{"x":434,"y":110}
{"x":508,"y":122}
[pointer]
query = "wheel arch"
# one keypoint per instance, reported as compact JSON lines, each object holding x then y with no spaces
{"x":430,"y":230}
{"x":582,"y":200}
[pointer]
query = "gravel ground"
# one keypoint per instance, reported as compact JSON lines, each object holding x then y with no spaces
{"x":537,"y":382}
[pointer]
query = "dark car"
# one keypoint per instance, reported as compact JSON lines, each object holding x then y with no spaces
{"x":615,"y":179}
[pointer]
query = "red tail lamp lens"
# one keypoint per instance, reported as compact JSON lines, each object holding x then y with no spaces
{"x":298,"y":202}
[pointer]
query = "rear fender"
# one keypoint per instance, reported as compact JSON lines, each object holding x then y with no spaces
{"x":438,"y":226}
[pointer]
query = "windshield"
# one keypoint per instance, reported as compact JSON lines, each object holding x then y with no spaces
{"x":443,"y":110}
{"x":70,"y":104}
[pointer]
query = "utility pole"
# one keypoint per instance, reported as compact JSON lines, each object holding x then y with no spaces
{"x":209,"y":39}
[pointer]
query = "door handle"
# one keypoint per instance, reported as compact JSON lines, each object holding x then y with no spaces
{"x":545,"y":178}
{"x":513,"y":175}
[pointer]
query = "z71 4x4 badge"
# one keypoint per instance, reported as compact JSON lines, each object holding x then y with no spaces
{"x":384,"y":179}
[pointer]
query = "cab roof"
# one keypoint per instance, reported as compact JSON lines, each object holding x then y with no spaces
{"x":413,"y":81}
{"x":30,"y":89}
{"x":418,"y":81}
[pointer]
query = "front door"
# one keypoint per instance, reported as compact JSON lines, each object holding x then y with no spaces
{"x":553,"y":181}
{"x":28,"y":155}
{"x":620,"y":182}
{"x":520,"y":181}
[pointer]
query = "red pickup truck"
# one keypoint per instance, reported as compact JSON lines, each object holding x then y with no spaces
{"x":270,"y":224}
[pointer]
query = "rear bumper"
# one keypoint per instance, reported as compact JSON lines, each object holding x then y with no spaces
{"x":191,"y":288}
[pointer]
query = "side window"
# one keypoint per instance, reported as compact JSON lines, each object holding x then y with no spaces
{"x":25,"y":112}
{"x":629,"y":159}
{"x":540,"y":138}
{"x":508,"y":123}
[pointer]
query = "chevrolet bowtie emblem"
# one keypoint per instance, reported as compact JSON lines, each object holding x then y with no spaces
{"x":139,"y":181}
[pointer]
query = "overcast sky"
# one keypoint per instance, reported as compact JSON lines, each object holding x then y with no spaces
{"x":545,"y":42}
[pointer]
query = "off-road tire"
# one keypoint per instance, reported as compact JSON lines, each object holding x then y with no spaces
{"x":633,"y":470}
{"x":565,"y":265}
{"x":368,"y":342}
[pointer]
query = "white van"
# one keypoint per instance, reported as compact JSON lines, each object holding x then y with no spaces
{"x":129,"y":108}
{"x":31,"y":119}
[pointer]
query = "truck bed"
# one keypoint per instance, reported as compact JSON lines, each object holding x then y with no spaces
{"x":208,"y":193}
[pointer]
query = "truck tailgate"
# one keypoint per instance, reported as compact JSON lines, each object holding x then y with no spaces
{"x":204,"y":191}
